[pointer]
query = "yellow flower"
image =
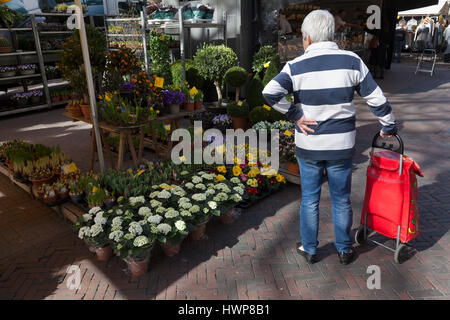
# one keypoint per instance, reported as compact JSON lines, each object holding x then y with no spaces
{"x":267,"y":107}
{"x":219,"y":178}
{"x":222,"y":169}
{"x":237,"y":171}
{"x":182,"y":158}
{"x":251,"y":174}
{"x":281,"y":178}
{"x":288,"y":133}
{"x":252,"y":183}
{"x":193,"y":91}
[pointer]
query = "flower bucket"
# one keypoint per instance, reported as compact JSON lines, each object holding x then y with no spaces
{"x":240,"y":123}
{"x":174,"y":108}
{"x":198,"y":105}
{"x":189,"y":107}
{"x":38,"y":183}
{"x":86,"y":110}
{"x":227,"y":217}
{"x":63,"y":195}
{"x":104,"y":254}
{"x":198,"y":233}
{"x":293,"y":168}
{"x":170,"y":249}
{"x":50,"y":200}
{"x":76,"y":197}
{"x":138,"y":268}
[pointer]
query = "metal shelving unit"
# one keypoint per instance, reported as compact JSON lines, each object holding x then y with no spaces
{"x":45,"y":83}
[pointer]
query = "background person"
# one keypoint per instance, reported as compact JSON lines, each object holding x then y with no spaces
{"x":323,"y":81}
{"x":400,"y":38}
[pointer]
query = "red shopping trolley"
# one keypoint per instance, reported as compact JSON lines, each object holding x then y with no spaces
{"x":390,"y":201}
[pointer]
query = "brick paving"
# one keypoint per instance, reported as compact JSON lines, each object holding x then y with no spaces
{"x":253,"y":258}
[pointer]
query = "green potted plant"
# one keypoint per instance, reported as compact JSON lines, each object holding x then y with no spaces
{"x":238,"y":111}
{"x":5,"y":46}
{"x":160,"y":55}
{"x":212,"y":62}
{"x":198,"y":104}
{"x":262,"y":58}
{"x":236,"y":77}
{"x":21,"y":99}
{"x":55,"y":96}
{"x":9,"y":17}
{"x":75,"y":192}
{"x":287,"y":151}
{"x":96,"y":198}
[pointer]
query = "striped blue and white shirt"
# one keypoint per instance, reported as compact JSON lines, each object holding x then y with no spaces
{"x":323,"y":81}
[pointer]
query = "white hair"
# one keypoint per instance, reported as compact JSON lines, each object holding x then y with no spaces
{"x":319,"y":26}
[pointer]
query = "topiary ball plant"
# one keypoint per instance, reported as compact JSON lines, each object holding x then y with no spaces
{"x":212,"y":62}
{"x":236,"y":77}
{"x":254,"y":96}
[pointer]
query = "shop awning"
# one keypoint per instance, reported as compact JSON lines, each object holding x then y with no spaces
{"x":441,"y":8}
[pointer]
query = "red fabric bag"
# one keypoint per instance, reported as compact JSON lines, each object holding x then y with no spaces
{"x":391,"y":199}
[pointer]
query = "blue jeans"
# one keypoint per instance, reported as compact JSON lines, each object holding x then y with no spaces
{"x":339,"y":174}
{"x":398,"y":46}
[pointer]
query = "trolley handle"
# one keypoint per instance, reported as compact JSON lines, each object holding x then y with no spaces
{"x":376,"y":143}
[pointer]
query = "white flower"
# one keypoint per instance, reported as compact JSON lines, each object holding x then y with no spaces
{"x":87,"y":217}
{"x":94,"y":210}
{"x":208,"y":177}
{"x":184,"y":173}
{"x":137,"y":200}
{"x":155,"y":187}
{"x":160,"y":210}
{"x":196,"y":179}
{"x":99,"y":219}
{"x":154,"y":194}
{"x":184,"y":199}
{"x":205,"y":210}
{"x":117,"y":221}
{"x":142,"y":222}
{"x":84,"y":232}
{"x":200,"y":186}
{"x":143,"y":211}
{"x":212,"y":204}
{"x":210,"y":192}
{"x":96,"y":229}
{"x":179,"y":192}
{"x":180,"y":225}
{"x":164,"y":228}
{"x":199,"y":197}
{"x":156,"y":219}
{"x":119,"y":212}
{"x":116,"y":235}
{"x":185,"y":213}
{"x":186,"y":205}
{"x":141,"y":241}
{"x":115,"y":228}
{"x":155,"y":203}
{"x":194,"y":209}
{"x":171,"y":213}
{"x":164,"y":194}
{"x":189,"y":185}
{"x":221,"y":197}
{"x":236,"y":198}
{"x":135,"y":228}
{"x":239,"y":190}
{"x":235,"y":180}
{"x":222,"y":187}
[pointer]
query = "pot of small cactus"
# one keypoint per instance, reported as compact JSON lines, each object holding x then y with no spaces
{"x":5,"y":46}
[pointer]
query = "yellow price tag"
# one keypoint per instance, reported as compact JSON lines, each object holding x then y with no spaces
{"x":288,"y":133}
{"x":159,"y":82}
{"x":239,"y":103}
{"x":267,"y":64}
{"x":69,"y":168}
{"x":266,"y":107}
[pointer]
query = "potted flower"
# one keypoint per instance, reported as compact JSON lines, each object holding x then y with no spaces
{"x":171,"y":231}
{"x":35,"y":96}
{"x":96,"y":198}
{"x":50,"y":196}
{"x":7,"y":71}
{"x":222,"y":122}
{"x":20,"y":99}
{"x":55,"y":96}
{"x":62,"y":190}
{"x":40,"y":176}
{"x":75,"y":192}
{"x":198,"y":98}
{"x":227,"y":204}
{"x":26,"y":69}
{"x":93,"y":228}
{"x":110,"y":200}
{"x":173,"y":98}
{"x":238,"y":111}
{"x":74,"y":109}
{"x":287,"y":151}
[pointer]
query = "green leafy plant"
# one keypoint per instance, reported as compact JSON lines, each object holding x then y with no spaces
{"x":71,"y":64}
{"x":192,"y":76}
{"x":237,"y":109}
{"x":254,"y":96}
{"x":236,"y":77}
{"x":272,"y":70}
{"x":213,"y":62}
{"x":160,"y":55}
{"x":263,"y":56}
{"x":9,"y":17}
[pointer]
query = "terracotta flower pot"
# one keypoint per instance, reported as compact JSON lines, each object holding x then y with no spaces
{"x":293,"y":168}
{"x":169,"y":249}
{"x":63,"y":195}
{"x":198,"y":105}
{"x":240,"y":123}
{"x":86,"y":110}
{"x":38,"y":183}
{"x":50,"y":200}
{"x":104,"y":254}
{"x":55,"y":99}
{"x":189,"y":107}
{"x":226,"y":217}
{"x":198,"y":233}
{"x":138,"y":268}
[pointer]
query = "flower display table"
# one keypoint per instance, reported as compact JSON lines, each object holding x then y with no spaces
{"x":125,"y":134}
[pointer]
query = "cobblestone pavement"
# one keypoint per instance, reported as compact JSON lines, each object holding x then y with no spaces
{"x":253,"y":258}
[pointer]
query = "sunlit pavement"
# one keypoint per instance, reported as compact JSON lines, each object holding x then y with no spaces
{"x":255,"y":257}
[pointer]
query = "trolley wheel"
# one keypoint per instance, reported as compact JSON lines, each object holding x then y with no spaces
{"x":359,"y":235}
{"x":401,"y":253}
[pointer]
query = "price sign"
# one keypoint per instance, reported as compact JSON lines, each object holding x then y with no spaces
{"x":159,"y":82}
{"x":288,"y":133}
{"x":266,"y":107}
{"x":69,"y":168}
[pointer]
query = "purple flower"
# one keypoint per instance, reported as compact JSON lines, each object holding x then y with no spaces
{"x":26,"y":66}
{"x":127,"y":86}
{"x":173,"y":97}
{"x":7,"y":68}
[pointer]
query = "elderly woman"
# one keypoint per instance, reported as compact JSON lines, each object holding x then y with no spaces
{"x":323,"y":82}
